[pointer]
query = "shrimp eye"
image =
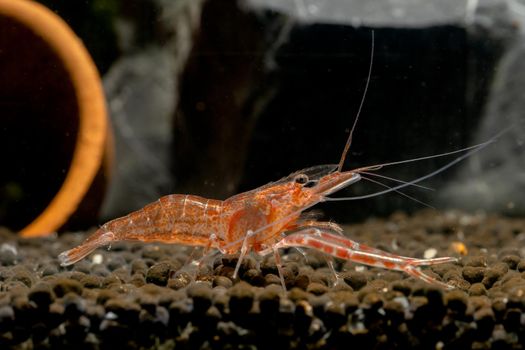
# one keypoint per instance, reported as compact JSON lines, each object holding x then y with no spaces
{"x":301,"y":179}
{"x":310,"y":184}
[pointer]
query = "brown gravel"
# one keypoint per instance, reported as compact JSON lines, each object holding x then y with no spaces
{"x":147,"y":296}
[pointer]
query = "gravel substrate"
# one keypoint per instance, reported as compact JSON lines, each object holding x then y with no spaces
{"x":148,"y":296}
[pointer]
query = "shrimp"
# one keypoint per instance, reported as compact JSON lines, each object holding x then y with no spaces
{"x":262,"y":220}
{"x":265,"y":219}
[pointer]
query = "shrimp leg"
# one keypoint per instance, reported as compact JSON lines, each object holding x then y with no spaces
{"x":344,"y":248}
{"x":244,"y":250}
{"x":325,"y":230}
{"x":279,"y":264}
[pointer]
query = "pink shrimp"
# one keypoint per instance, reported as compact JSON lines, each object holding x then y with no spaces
{"x":253,"y":220}
{"x":258,"y":220}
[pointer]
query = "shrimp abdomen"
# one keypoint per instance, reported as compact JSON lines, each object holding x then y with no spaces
{"x":175,"y":218}
{"x":181,"y":219}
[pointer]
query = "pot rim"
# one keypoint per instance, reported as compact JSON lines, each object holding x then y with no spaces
{"x":92,"y":138}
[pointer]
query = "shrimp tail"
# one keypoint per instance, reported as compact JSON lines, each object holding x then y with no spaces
{"x":98,"y":239}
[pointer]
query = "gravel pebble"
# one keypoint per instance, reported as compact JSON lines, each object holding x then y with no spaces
{"x":316,"y":288}
{"x":74,"y":306}
{"x":302,"y":281}
{"x":7,"y":316}
{"x":271,"y":279}
{"x":473,"y":274}
{"x":477,"y":289}
{"x":335,"y":315}
{"x":269,"y":300}
{"x":42,"y":295}
{"x":512,"y":261}
{"x":127,"y":312}
{"x":475,"y":261}
{"x":90,"y":281}
{"x":356,"y":280}
{"x":457,"y":301}
{"x":241,"y":298}
{"x":221,"y":281}
{"x":253,"y":277}
{"x":7,"y":258}
{"x":159,"y":273}
{"x":484,"y":319}
{"x":64,"y":286}
{"x":521,"y":266}
{"x":512,"y":320}
{"x":295,"y":294}
{"x":49,"y":270}
{"x":201,"y":294}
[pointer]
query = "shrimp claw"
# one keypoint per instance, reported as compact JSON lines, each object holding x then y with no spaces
{"x":344,"y":248}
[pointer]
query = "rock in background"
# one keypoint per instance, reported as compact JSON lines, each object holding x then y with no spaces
{"x":495,"y":179}
{"x":143,"y":92}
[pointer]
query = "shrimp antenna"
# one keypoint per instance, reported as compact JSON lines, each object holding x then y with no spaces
{"x":419,"y":179}
{"x":398,"y":191}
{"x":349,"y":140}
{"x":394,"y":180}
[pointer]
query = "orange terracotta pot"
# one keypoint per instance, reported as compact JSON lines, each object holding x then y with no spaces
{"x":53,"y":123}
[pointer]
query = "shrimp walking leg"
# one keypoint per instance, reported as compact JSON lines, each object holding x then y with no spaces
{"x":244,"y":250}
{"x":344,"y":248}
{"x":279,"y":265}
{"x":330,"y":263}
{"x":206,"y":250}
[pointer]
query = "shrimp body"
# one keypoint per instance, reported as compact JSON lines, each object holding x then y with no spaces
{"x":255,"y":221}
{"x":264,"y":219}
{"x":210,"y":223}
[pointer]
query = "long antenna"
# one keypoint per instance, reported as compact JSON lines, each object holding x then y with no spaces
{"x":349,"y":140}
{"x":419,"y":179}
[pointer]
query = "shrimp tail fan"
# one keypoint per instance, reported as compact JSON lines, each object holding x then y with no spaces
{"x":98,"y":239}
